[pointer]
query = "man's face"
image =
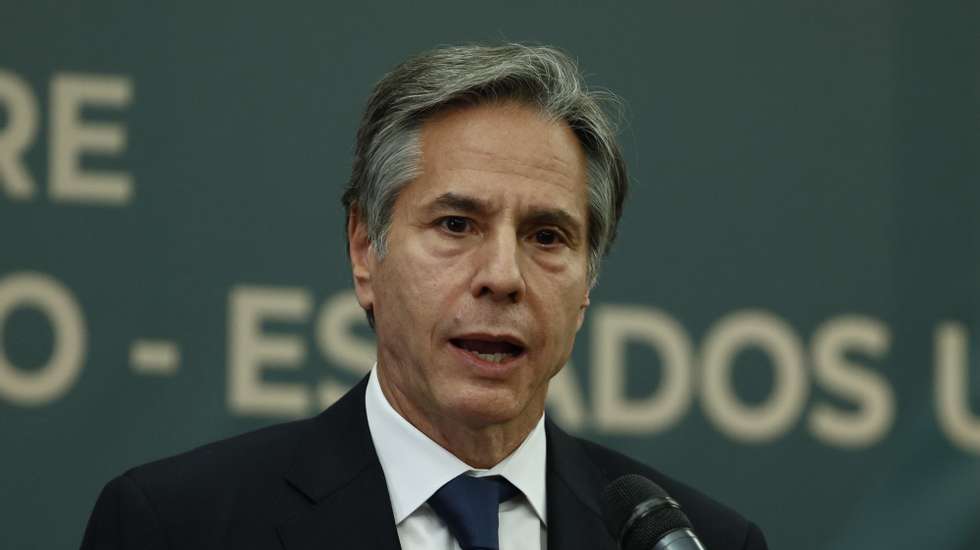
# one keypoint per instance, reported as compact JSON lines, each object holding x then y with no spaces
{"x":484,"y":283}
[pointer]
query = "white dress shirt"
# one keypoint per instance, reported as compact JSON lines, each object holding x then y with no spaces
{"x":415,"y":467}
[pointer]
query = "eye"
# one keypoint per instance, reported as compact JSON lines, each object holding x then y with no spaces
{"x":455,"y":224}
{"x":546,"y":237}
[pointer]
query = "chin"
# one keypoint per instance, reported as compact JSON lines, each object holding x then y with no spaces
{"x":483,"y":407}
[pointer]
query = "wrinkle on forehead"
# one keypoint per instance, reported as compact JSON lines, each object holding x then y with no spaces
{"x":509,"y":138}
{"x":552,"y":169}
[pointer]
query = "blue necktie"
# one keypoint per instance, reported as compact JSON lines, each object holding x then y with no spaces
{"x":468,"y":505}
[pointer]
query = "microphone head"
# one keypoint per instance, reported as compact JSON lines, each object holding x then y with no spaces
{"x":638,"y":512}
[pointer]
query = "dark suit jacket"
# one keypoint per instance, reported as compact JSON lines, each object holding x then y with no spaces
{"x":317,"y":484}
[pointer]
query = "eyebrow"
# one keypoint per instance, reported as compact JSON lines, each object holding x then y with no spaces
{"x":462,"y":203}
{"x":545,"y":216}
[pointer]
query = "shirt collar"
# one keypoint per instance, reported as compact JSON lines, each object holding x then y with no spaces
{"x":415,"y":467}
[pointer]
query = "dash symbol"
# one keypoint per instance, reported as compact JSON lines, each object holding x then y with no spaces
{"x":154,"y":357}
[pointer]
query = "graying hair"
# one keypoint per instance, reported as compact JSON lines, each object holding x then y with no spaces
{"x":388,"y":149}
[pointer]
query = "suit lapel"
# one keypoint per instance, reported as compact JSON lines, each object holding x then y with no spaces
{"x":337,"y":469}
{"x":574,"y":483}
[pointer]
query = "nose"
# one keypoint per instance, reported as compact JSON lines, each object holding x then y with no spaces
{"x":498,"y":274}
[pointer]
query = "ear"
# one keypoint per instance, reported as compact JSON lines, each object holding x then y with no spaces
{"x":581,"y":310}
{"x":361,"y":258}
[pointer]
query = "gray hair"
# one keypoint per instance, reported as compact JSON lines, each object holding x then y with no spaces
{"x":388,"y":150}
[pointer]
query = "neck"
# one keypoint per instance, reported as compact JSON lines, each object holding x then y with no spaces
{"x":479,"y":445}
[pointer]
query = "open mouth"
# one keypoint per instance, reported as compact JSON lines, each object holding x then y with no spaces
{"x":492,"y":351}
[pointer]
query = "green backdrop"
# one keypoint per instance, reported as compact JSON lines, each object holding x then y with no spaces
{"x":789,"y":321}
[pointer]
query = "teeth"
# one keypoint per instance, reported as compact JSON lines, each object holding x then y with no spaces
{"x":492,"y":357}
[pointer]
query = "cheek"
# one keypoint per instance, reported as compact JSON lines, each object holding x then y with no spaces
{"x":418,"y":292}
{"x":559,"y":312}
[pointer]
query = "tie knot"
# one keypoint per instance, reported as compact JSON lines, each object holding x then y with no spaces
{"x":468,"y":505}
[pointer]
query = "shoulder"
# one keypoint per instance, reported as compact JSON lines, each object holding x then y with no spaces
{"x":251,"y":469}
{"x":718,"y":525}
{"x":259,"y":453}
{"x":182,"y":501}
{"x":238,"y":480}
{"x":236,"y":492}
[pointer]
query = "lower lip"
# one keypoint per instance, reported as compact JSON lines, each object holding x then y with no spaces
{"x":489,"y":369}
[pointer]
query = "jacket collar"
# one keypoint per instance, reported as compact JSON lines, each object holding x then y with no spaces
{"x":336,"y":468}
{"x":574,"y":485}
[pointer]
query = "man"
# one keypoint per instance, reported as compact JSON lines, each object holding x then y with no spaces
{"x":487,"y":185}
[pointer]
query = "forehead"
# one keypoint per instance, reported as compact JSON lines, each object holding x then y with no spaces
{"x":503,"y":148}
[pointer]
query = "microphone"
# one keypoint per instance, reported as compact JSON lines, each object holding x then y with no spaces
{"x":641,"y":516}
